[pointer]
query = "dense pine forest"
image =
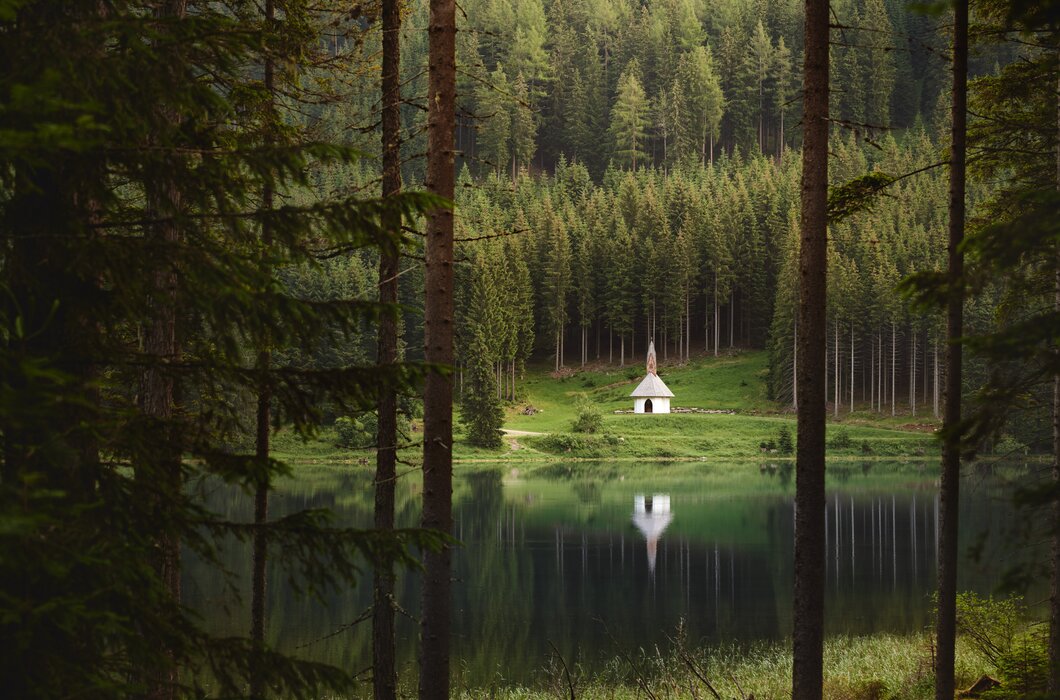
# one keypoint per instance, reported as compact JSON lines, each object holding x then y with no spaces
{"x":652,"y":191}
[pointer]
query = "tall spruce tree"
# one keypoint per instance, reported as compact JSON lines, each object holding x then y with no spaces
{"x":808,"y":634}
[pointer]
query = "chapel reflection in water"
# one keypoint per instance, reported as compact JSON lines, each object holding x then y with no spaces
{"x":652,"y":515}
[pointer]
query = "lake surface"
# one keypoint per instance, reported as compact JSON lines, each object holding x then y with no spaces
{"x":595,"y":558}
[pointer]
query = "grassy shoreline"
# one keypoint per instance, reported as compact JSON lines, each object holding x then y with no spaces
{"x":875,"y":667}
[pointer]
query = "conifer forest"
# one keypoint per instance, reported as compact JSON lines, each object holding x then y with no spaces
{"x":330,"y":331}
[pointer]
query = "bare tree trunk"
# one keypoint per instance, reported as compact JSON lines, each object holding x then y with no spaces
{"x":935,"y":352}
{"x":912,"y":374}
{"x":836,"y":369}
{"x":894,"y":363}
{"x":438,"y":350}
{"x":808,"y":613}
{"x":949,"y":483}
{"x":732,"y":313}
{"x":384,"y":666}
{"x":688,"y":324}
{"x":881,"y":384}
{"x":852,"y":368}
{"x":795,"y":367}
{"x":622,"y":350}
{"x":717,"y":315}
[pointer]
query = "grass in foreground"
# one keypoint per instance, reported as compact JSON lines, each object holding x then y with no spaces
{"x":877,"y":667}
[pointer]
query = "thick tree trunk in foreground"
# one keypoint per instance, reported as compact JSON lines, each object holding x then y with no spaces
{"x":438,"y":350}
{"x":808,"y":633}
{"x":384,"y":668}
{"x":949,"y":486}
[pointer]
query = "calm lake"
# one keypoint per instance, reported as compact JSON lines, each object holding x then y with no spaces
{"x":594,"y":558}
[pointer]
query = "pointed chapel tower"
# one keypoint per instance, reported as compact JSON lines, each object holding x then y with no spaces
{"x":651,"y":395}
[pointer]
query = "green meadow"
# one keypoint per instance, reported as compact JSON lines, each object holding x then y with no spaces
{"x":747,"y":424}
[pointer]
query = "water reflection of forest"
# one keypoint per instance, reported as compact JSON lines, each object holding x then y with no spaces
{"x":566,"y":560}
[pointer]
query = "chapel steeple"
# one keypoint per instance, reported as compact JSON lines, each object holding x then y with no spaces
{"x":652,"y":395}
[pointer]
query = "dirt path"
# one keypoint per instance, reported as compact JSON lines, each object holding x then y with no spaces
{"x":521,"y":433}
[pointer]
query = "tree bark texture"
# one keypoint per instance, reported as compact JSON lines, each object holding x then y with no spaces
{"x":438,"y":350}
{"x":949,"y":485}
{"x":384,"y":668}
{"x":808,"y":632}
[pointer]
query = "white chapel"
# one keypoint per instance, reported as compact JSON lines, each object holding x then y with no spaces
{"x":652,"y":395}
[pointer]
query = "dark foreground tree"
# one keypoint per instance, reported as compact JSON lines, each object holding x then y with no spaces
{"x":438,"y":350}
{"x":952,"y":429}
{"x":384,"y":667}
{"x":808,"y":634}
{"x":96,"y":256}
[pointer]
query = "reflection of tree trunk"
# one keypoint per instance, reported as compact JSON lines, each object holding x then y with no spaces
{"x":808,"y":629}
{"x":949,"y":483}
{"x":438,"y":342}
{"x":384,"y":667}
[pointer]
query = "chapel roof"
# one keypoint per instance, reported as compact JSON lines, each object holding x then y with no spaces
{"x":652,"y":387}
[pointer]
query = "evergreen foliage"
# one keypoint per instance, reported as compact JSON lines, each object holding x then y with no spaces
{"x":480,"y":407}
{"x":133,"y":214}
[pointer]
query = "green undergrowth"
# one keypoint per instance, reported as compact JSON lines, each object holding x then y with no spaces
{"x":855,"y":668}
{"x":876,"y":667}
